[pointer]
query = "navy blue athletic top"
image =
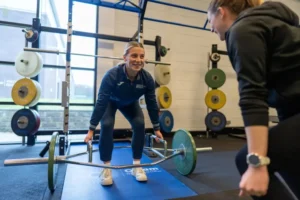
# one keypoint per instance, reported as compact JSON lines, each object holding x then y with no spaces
{"x":117,"y":87}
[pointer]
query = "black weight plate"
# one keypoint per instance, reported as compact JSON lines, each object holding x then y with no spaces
{"x":24,"y":122}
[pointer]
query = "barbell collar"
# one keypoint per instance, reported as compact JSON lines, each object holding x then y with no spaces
{"x":88,"y":55}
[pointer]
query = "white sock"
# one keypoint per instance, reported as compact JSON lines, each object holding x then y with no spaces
{"x":107,"y":163}
{"x":135,"y":162}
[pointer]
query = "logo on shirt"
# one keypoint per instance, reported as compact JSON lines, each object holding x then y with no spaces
{"x":119,"y":84}
{"x":139,"y":86}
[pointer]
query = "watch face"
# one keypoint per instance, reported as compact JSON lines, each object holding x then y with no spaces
{"x":254,"y":160}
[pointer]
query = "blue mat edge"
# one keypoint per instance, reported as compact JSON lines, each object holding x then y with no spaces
{"x":79,"y":143}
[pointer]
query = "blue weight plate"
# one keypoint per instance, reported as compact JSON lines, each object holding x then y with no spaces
{"x":166,"y":121}
{"x":215,"y":121}
{"x":24,"y":122}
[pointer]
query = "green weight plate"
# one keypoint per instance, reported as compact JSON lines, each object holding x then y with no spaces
{"x":215,"y":78}
{"x":51,"y":162}
{"x":185,"y":163}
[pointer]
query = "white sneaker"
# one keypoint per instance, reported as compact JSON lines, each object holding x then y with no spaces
{"x":139,"y":174}
{"x":105,"y":177}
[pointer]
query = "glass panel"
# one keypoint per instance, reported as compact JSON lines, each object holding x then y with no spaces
{"x":81,"y":87}
{"x":86,"y":22}
{"x":83,"y":45}
{"x":18,"y":11}
{"x":12,"y":42}
{"x":8,"y":77}
{"x":6,"y":114}
{"x":52,"y":117}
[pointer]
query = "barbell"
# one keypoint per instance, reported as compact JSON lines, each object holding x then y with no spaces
{"x":88,"y":55}
{"x":184,"y":154}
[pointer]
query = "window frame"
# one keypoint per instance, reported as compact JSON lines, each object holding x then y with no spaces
{"x":60,"y":32}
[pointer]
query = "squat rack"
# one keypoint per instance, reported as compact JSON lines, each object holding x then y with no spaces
{"x":121,"y":5}
{"x":140,"y":9}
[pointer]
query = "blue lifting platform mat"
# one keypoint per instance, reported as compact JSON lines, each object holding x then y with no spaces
{"x":83,"y":183}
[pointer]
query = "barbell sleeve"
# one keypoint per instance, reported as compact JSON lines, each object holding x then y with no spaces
{"x":90,"y":151}
{"x":25,"y":161}
{"x":31,"y":161}
{"x":88,"y":55}
{"x":204,"y":149}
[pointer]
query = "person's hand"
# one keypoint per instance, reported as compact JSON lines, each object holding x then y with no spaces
{"x":254,"y":182}
{"x":89,"y":136}
{"x":158,"y":135}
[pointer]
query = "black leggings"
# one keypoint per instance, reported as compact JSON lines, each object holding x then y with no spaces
{"x":134,"y":114}
{"x":284,"y":152}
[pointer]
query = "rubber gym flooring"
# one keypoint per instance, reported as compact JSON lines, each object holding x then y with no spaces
{"x":215,"y":176}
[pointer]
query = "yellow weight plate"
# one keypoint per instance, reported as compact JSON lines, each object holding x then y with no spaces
{"x":24,"y":92}
{"x":38,"y":94}
{"x":162,"y":74}
{"x":215,"y":99}
{"x":164,"y":97}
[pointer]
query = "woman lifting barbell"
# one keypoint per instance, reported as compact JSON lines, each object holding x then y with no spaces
{"x":121,"y":88}
{"x":263,"y":41}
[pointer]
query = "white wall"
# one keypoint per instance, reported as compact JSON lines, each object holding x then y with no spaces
{"x":188,"y":56}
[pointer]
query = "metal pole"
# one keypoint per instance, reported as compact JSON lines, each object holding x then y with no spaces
{"x":89,"y":55}
{"x":38,"y":7}
{"x":66,"y":83}
{"x":121,"y":166}
{"x":62,"y":159}
{"x":203,"y":149}
{"x":143,"y":6}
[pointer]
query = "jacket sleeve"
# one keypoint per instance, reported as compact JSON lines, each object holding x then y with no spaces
{"x":105,"y":91}
{"x":248,"y":53}
{"x":151,"y":103}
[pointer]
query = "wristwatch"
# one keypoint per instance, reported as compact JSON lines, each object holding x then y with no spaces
{"x":255,"y":160}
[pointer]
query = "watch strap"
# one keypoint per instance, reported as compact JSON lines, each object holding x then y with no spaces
{"x":264,"y":160}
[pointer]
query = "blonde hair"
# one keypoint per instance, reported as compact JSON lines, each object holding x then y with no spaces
{"x":235,"y":6}
{"x":128,"y":46}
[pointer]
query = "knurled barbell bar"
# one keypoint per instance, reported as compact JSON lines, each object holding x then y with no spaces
{"x":184,"y":154}
{"x":89,"y":55}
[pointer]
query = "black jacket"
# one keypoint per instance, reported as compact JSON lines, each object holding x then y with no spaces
{"x":263,"y":45}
